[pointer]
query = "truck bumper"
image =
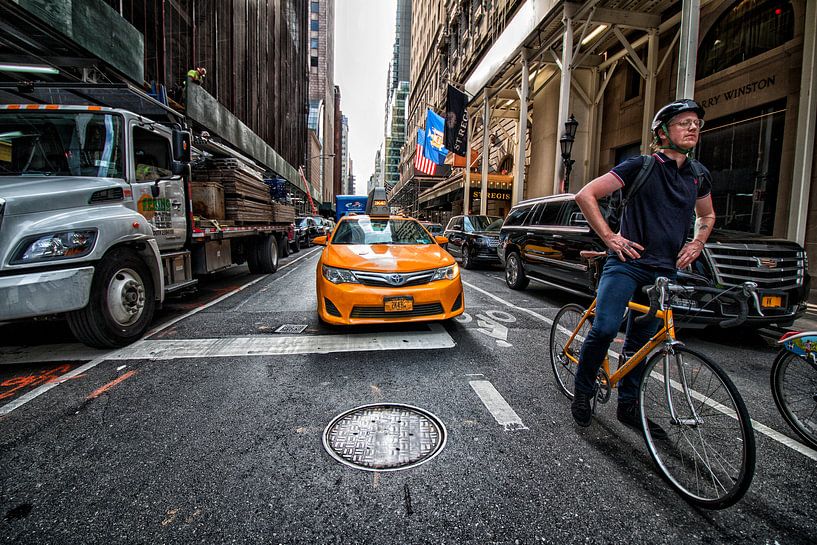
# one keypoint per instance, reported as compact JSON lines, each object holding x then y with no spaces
{"x":43,"y":293}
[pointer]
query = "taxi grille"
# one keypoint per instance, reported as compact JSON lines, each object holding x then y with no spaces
{"x":394,"y":280}
{"x":428,"y":309}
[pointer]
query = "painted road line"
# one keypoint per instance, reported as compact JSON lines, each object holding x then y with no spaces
{"x":40,"y":390}
{"x":758,"y":426}
{"x":265,"y":345}
{"x":46,"y":353}
{"x":102,"y":389}
{"x":497,"y":406}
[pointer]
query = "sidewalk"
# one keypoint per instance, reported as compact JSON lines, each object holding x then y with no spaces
{"x":809,"y":320}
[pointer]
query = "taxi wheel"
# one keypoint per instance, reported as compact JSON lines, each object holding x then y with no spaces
{"x":467,"y":260}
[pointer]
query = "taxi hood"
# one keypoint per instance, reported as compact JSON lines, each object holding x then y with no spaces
{"x":387,"y":257}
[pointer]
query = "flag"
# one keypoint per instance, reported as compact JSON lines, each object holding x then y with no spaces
{"x":421,"y":162}
{"x":434,"y":147}
{"x":456,"y":121}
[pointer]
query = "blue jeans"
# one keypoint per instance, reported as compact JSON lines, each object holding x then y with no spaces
{"x":620,"y":282}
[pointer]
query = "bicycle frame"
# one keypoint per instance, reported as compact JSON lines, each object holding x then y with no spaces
{"x":666,"y":336}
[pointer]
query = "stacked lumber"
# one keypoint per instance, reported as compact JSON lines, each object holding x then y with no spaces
{"x":283,"y":213}
{"x":246,"y":196}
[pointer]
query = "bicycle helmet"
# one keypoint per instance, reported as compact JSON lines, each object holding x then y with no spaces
{"x":665,"y":114}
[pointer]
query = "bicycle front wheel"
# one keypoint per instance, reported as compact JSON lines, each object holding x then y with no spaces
{"x":708,"y":454}
{"x":794,"y":388}
{"x":565,"y":361}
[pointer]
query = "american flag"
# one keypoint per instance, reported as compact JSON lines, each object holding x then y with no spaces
{"x":421,"y":162}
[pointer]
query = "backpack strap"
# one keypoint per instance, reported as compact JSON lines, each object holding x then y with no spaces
{"x":646,"y":169}
{"x":697,"y":169}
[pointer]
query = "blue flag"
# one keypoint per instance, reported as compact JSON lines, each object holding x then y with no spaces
{"x":434,"y":148}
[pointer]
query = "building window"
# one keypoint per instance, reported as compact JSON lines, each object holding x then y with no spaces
{"x":313,"y":43}
{"x":313,"y":25}
{"x":313,"y":61}
{"x":750,"y":28}
{"x":743,"y":151}
{"x":315,"y":7}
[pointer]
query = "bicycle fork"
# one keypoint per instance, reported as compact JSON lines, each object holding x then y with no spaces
{"x":670,"y":354}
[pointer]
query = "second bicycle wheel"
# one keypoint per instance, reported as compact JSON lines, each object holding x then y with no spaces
{"x":564,"y":362}
{"x":708,"y":454}
{"x":794,"y":388}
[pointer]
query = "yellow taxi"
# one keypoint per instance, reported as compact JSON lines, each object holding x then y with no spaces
{"x":378,"y":268}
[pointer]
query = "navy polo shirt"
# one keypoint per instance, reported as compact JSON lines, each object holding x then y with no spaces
{"x":661,"y":212}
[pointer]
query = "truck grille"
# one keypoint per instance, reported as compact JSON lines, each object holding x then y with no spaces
{"x":776,"y":268}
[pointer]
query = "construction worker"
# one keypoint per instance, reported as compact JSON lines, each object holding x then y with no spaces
{"x":197,"y":75}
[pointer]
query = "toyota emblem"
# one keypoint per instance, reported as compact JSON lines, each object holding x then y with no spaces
{"x":396,"y":279}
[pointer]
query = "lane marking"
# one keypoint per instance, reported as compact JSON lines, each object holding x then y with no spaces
{"x":48,"y":353}
{"x":773,"y":434}
{"x":497,"y":406}
{"x":263,"y":345}
{"x":102,"y":389}
{"x":40,"y":390}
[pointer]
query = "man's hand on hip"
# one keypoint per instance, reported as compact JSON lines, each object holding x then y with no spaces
{"x":622,"y":247}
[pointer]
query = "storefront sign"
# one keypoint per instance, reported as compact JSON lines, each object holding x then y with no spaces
{"x":754,"y":86}
{"x":496,"y":194}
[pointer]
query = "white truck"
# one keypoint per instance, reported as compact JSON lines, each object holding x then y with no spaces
{"x":96,"y":220}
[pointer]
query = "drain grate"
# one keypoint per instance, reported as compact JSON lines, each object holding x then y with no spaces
{"x":384,"y":437}
{"x":291,"y":328}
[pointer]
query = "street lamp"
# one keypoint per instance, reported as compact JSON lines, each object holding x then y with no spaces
{"x":566,"y":143}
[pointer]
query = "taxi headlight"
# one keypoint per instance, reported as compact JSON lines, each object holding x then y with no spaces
{"x":59,"y":245}
{"x":339,"y":276}
{"x":446,"y":273}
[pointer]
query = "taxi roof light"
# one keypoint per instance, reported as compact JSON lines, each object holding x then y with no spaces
{"x":378,"y":203}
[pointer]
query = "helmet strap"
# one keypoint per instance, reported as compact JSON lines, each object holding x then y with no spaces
{"x":672,"y":145}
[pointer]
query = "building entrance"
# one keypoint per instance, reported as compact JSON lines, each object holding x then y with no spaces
{"x":743,"y":153}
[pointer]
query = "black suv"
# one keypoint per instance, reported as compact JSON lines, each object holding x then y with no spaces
{"x":474,"y":239}
{"x":542,"y":240}
{"x":306,"y":229}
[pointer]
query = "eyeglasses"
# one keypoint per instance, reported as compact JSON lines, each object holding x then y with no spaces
{"x":687,"y":124}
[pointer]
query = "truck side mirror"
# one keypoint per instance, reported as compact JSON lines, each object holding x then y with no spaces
{"x":181,"y":147}
{"x":178,"y":168}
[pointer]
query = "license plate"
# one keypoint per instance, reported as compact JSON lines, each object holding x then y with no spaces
{"x":771,"y":301}
{"x":398,"y":304}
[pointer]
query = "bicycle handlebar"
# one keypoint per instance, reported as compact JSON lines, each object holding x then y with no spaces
{"x":658,"y":298}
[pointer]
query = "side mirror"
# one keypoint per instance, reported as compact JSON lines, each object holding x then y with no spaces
{"x":319,"y":241}
{"x":178,"y":168}
{"x":181,"y":147}
{"x":441,"y":240}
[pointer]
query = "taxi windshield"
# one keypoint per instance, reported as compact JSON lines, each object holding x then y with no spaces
{"x":380,"y":231}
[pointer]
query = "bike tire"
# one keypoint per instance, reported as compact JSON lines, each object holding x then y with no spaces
{"x":564,"y":368}
{"x":794,"y":389}
{"x":709,"y":462}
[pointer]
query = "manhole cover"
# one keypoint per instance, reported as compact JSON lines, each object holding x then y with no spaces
{"x":384,"y":437}
{"x":291,"y":328}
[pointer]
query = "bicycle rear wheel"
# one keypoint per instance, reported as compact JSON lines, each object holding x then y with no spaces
{"x":794,"y":388}
{"x":708,"y":455}
{"x":564,"y":362}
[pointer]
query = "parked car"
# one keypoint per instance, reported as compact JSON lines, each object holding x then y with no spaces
{"x":473,"y":239}
{"x":306,"y":228}
{"x":435,"y":229}
{"x":543,"y":239}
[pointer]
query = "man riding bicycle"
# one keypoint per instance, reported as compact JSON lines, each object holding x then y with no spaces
{"x":654,"y":225}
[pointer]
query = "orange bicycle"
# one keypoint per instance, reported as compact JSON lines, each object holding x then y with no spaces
{"x":708,"y":455}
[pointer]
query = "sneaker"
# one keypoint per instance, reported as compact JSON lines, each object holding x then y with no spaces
{"x":629,"y":414}
{"x":580,"y":408}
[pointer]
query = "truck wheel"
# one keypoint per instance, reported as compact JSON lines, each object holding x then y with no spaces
{"x":284,"y":246}
{"x":121,"y":303}
{"x":266,"y":254}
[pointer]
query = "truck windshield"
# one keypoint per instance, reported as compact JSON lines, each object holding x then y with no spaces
{"x":380,"y":231}
{"x":41,"y":143}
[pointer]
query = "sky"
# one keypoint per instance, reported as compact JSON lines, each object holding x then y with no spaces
{"x":364,"y":38}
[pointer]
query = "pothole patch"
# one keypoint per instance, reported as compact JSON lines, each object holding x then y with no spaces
{"x":384,"y":437}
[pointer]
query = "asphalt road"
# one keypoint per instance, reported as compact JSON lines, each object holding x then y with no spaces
{"x":210,"y":431}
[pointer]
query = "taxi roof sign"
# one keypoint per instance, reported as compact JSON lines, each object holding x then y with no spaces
{"x":378,"y":202}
